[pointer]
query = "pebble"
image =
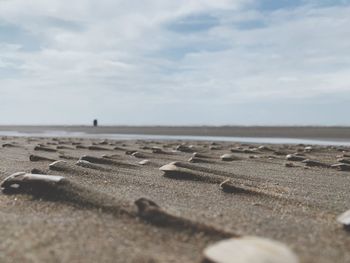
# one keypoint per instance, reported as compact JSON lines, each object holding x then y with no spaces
{"x":249,"y":249}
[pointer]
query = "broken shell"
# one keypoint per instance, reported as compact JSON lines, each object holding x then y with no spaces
{"x":249,"y":250}
{"x":344,"y":219}
{"x":228,"y":157}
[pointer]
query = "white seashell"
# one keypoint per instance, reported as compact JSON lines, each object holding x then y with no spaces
{"x":344,"y":218}
{"x":249,"y":250}
{"x":170,"y":167}
{"x":228,"y":157}
{"x":308,"y":149}
{"x":144,"y":162}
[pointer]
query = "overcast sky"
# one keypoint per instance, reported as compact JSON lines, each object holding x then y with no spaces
{"x":173,"y":62}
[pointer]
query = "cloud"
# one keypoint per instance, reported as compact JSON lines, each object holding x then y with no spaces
{"x":171,"y":62}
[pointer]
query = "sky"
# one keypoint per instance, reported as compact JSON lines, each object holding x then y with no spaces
{"x":183,"y":62}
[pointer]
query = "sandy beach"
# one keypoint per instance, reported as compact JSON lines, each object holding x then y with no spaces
{"x":111,"y":208}
{"x":303,"y":132}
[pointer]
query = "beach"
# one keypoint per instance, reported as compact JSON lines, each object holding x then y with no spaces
{"x":112,"y":208}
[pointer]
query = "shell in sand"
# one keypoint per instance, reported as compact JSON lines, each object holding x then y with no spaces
{"x":249,"y":250}
{"x":344,"y":219}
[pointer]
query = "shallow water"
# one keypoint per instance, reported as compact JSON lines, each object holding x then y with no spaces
{"x":178,"y":137}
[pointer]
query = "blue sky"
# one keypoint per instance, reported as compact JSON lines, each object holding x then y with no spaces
{"x":185,"y":62}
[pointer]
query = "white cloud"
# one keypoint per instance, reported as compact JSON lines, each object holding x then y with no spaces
{"x":94,"y":57}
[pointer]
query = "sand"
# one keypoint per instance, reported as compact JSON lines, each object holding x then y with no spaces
{"x":302,"y":132}
{"x":93,"y":217}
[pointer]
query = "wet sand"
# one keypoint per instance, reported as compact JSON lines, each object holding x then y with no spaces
{"x":304,"y":132}
{"x":93,"y":217}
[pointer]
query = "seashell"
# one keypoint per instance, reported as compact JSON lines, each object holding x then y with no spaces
{"x":130,"y":152}
{"x":312,"y":163}
{"x":344,"y":219}
{"x":138,"y":155}
{"x":111,"y":156}
{"x":67,"y":157}
{"x":63,"y":147}
{"x":308,"y":149}
{"x":184,"y":148}
{"x":197,"y":160}
{"x":58,"y":165}
{"x":249,"y":249}
{"x":8,"y":145}
{"x":19,"y":181}
{"x":173,"y":170}
{"x":37,"y":158}
{"x":215,"y":148}
{"x":45,"y":149}
{"x":342,"y":160}
{"x":81,"y":147}
{"x":86,"y":164}
{"x":264,"y":148}
{"x":36,"y":171}
{"x":200,"y":155}
{"x":295,"y":158}
{"x":341,"y":166}
{"x":279,"y":153}
{"x":98,"y":148}
{"x":228,"y":157}
{"x":98,"y":160}
{"x":289,"y":165}
{"x":144,"y":162}
{"x":157,"y":150}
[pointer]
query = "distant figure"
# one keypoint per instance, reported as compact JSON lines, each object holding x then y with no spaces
{"x":95,"y":123}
